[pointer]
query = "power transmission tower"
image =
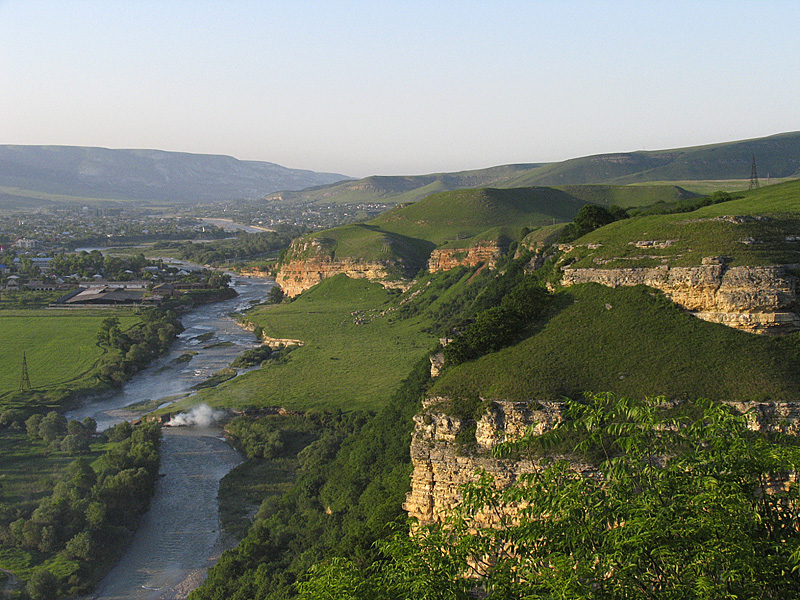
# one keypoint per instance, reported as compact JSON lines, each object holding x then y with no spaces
{"x":25,"y":380}
{"x":754,"y":175}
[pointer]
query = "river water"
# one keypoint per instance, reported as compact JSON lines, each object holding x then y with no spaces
{"x":180,"y":536}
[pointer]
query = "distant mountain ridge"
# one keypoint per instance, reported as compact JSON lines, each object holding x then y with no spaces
{"x":777,"y":156}
{"x":145,"y":174}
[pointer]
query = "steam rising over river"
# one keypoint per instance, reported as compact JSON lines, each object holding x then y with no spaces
{"x":180,"y":535}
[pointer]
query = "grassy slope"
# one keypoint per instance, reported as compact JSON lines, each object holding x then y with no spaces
{"x":465,"y":213}
{"x":401,"y":189}
{"x":777,"y":155}
{"x":343,"y":364}
{"x":410,"y":232}
{"x":642,"y":345}
{"x":60,"y":346}
{"x":698,"y":234}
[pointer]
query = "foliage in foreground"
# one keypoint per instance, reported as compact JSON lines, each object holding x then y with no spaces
{"x":74,"y":534}
{"x":680,"y":510}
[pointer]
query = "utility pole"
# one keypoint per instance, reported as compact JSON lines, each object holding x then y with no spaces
{"x":754,"y":175}
{"x":25,"y":380}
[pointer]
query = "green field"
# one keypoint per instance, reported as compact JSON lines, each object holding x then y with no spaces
{"x":634,"y":342}
{"x":60,"y":346}
{"x":353,"y":358}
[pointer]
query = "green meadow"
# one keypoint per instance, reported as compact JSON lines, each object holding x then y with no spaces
{"x":60,"y":346}
{"x":355,"y":354}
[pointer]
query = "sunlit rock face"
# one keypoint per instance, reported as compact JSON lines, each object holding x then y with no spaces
{"x":308,"y":262}
{"x":442,"y":464}
{"x":763,"y":299}
{"x":297,"y":276}
{"x":444,"y":259}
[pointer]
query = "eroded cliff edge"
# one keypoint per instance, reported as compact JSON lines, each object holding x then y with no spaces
{"x":449,"y":451}
{"x":759,"y":299}
{"x":310,"y":261}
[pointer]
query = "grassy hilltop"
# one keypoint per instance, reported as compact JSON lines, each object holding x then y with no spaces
{"x":765,"y":221}
{"x":409,"y":233}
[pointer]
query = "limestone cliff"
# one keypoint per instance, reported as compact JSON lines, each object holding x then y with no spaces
{"x":763,"y":299}
{"x":308,"y":262}
{"x":298,"y":275}
{"x":443,"y":259}
{"x":442,"y":464}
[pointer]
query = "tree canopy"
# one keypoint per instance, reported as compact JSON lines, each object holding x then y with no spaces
{"x":679,"y":508}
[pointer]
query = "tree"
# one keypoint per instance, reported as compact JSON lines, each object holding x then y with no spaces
{"x":275,"y":295}
{"x":75,"y":444}
{"x":52,"y":427}
{"x":680,"y":509}
{"x":32,"y":425}
{"x":82,"y":546}
{"x":42,"y":585}
{"x":589,"y":218}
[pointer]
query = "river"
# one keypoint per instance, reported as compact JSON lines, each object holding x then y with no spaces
{"x":179,"y":537}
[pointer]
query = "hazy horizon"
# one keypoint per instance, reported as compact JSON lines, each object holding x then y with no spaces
{"x":363,"y":88}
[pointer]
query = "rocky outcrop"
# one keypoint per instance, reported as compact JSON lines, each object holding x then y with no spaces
{"x":310,"y":261}
{"x":762,"y":299}
{"x":297,"y":276}
{"x":441,"y":466}
{"x":443,"y":460}
{"x":444,"y":259}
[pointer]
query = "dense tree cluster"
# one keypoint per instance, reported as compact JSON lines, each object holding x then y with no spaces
{"x":502,"y":312}
{"x":244,"y":246}
{"x":87,"y":264}
{"x":131,"y":350}
{"x":73,"y":437}
{"x":589,"y":218}
{"x":92,"y":509}
{"x":350,"y":486}
{"x":255,"y":356}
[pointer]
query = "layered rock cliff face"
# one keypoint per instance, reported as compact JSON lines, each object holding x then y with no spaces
{"x":311,"y":261}
{"x":298,"y":275}
{"x":762,"y":299}
{"x":442,"y":464}
{"x":443,"y":259}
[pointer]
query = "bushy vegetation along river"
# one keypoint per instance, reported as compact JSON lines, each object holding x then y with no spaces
{"x":180,"y":535}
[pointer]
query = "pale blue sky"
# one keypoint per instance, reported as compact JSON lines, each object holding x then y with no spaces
{"x":397,"y":87}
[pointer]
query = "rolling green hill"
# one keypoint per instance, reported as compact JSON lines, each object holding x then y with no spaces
{"x":777,"y":156}
{"x":408,"y":233}
{"x":756,"y":229}
{"x":402,"y":189}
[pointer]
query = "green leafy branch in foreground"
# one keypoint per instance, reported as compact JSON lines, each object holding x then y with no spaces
{"x":705,"y":509}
